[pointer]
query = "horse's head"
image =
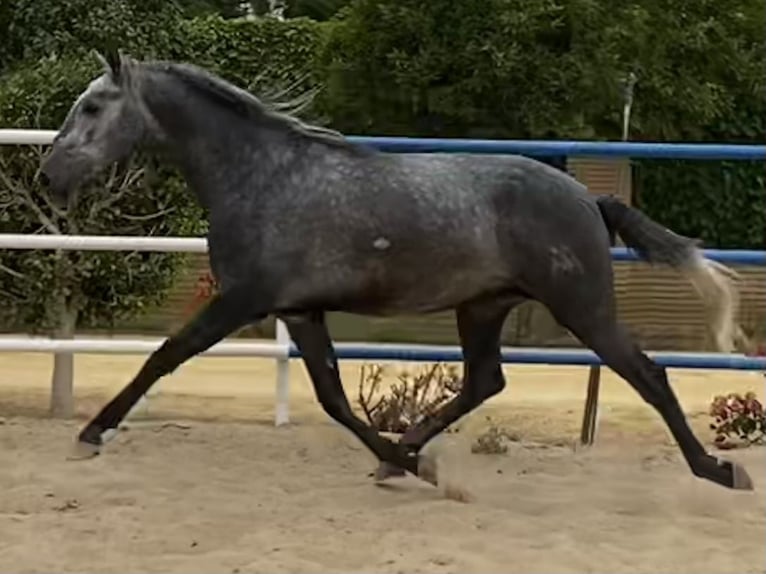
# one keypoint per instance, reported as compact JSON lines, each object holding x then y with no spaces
{"x":103,"y":126}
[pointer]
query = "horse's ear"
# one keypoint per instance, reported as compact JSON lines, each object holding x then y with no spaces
{"x":115,"y":63}
{"x":103,"y":61}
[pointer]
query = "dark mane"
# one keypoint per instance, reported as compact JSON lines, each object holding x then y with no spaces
{"x":250,"y":107}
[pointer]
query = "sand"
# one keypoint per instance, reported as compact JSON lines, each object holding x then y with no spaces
{"x":202,"y":482}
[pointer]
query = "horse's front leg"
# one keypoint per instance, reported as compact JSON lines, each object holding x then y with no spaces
{"x":225,"y":313}
{"x":310,"y":335}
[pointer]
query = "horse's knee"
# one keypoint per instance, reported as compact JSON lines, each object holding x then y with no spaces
{"x":480,"y":388}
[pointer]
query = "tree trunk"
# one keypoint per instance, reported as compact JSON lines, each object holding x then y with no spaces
{"x":62,"y":391}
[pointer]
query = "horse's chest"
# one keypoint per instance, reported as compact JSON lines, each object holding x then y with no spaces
{"x":234,"y":252}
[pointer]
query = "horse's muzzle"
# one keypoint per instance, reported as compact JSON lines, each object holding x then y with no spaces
{"x":56,"y":174}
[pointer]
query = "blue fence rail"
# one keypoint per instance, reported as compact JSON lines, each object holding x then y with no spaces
{"x":537,"y":356}
{"x":543,"y":148}
{"x":741,"y":256}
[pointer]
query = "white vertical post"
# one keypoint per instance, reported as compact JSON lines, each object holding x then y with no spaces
{"x":282,"y":412}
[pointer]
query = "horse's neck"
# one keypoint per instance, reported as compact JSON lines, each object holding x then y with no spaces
{"x":213,"y":149}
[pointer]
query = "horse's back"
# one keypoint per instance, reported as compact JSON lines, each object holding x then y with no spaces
{"x":400,"y":233}
{"x":544,"y":224}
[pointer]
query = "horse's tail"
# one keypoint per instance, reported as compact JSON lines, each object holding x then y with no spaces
{"x":656,"y":244}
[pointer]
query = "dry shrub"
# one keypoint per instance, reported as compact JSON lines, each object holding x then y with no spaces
{"x":415,"y":396}
{"x":493,"y":440}
{"x":738,"y":420}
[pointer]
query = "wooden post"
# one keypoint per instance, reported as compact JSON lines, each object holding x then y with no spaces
{"x":590,"y":412}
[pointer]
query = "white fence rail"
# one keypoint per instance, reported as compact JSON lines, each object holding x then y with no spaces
{"x":27,"y":137}
{"x":113,"y":346}
{"x":104,"y":243}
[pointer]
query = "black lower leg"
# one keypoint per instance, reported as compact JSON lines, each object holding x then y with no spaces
{"x":650,"y":381}
{"x":476,"y":389}
{"x":310,"y":335}
{"x":220,"y":317}
{"x":479,"y":327}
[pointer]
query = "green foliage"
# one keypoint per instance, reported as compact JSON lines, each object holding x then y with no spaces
{"x":555,"y":69}
{"x":145,"y":199}
{"x":318,"y":10}
{"x":445,"y":68}
{"x":261,"y":55}
{"x":737,"y":420}
{"x":721,"y":202}
{"x":39,"y":28}
{"x":223,"y":8}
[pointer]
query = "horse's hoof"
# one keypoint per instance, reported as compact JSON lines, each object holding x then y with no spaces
{"x":721,"y":471}
{"x":88,"y":443}
{"x":84,"y":450}
{"x":387,"y":470}
{"x":740,"y":478}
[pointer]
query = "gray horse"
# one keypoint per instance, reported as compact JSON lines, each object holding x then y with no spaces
{"x":303,"y":222}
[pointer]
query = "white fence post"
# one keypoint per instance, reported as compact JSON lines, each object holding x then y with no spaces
{"x":282,"y":411}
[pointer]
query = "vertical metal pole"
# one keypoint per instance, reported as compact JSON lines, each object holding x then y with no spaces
{"x":590,"y":412}
{"x":282,"y":411}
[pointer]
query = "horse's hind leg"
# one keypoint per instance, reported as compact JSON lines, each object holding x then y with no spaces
{"x":593,"y":321}
{"x":310,"y":335}
{"x":479,"y":325}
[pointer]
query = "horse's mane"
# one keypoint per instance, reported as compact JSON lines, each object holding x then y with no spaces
{"x":250,"y":107}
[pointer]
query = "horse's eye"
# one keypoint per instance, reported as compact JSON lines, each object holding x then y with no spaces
{"x":90,"y":108}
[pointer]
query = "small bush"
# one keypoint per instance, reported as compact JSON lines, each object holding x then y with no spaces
{"x":407,"y":402}
{"x":493,"y":440}
{"x":738,"y":420}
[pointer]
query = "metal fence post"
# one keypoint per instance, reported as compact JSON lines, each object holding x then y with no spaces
{"x":282,"y":411}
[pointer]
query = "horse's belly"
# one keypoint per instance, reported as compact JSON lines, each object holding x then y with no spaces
{"x":422,"y":294}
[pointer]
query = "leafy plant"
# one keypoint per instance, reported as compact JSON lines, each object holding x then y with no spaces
{"x":738,"y":420}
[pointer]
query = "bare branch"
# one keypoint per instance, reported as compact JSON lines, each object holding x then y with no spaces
{"x":130,"y":178}
{"x":16,"y":296}
{"x":22,"y":192}
{"x":148,"y":217}
{"x":11,"y":272}
{"x":7,"y":199}
{"x":58,"y":212}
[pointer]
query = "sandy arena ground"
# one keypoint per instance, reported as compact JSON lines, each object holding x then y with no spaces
{"x":202,"y":482}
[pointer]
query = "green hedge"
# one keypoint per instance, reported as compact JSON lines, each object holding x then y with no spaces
{"x":263,"y":55}
{"x":554,"y":69}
